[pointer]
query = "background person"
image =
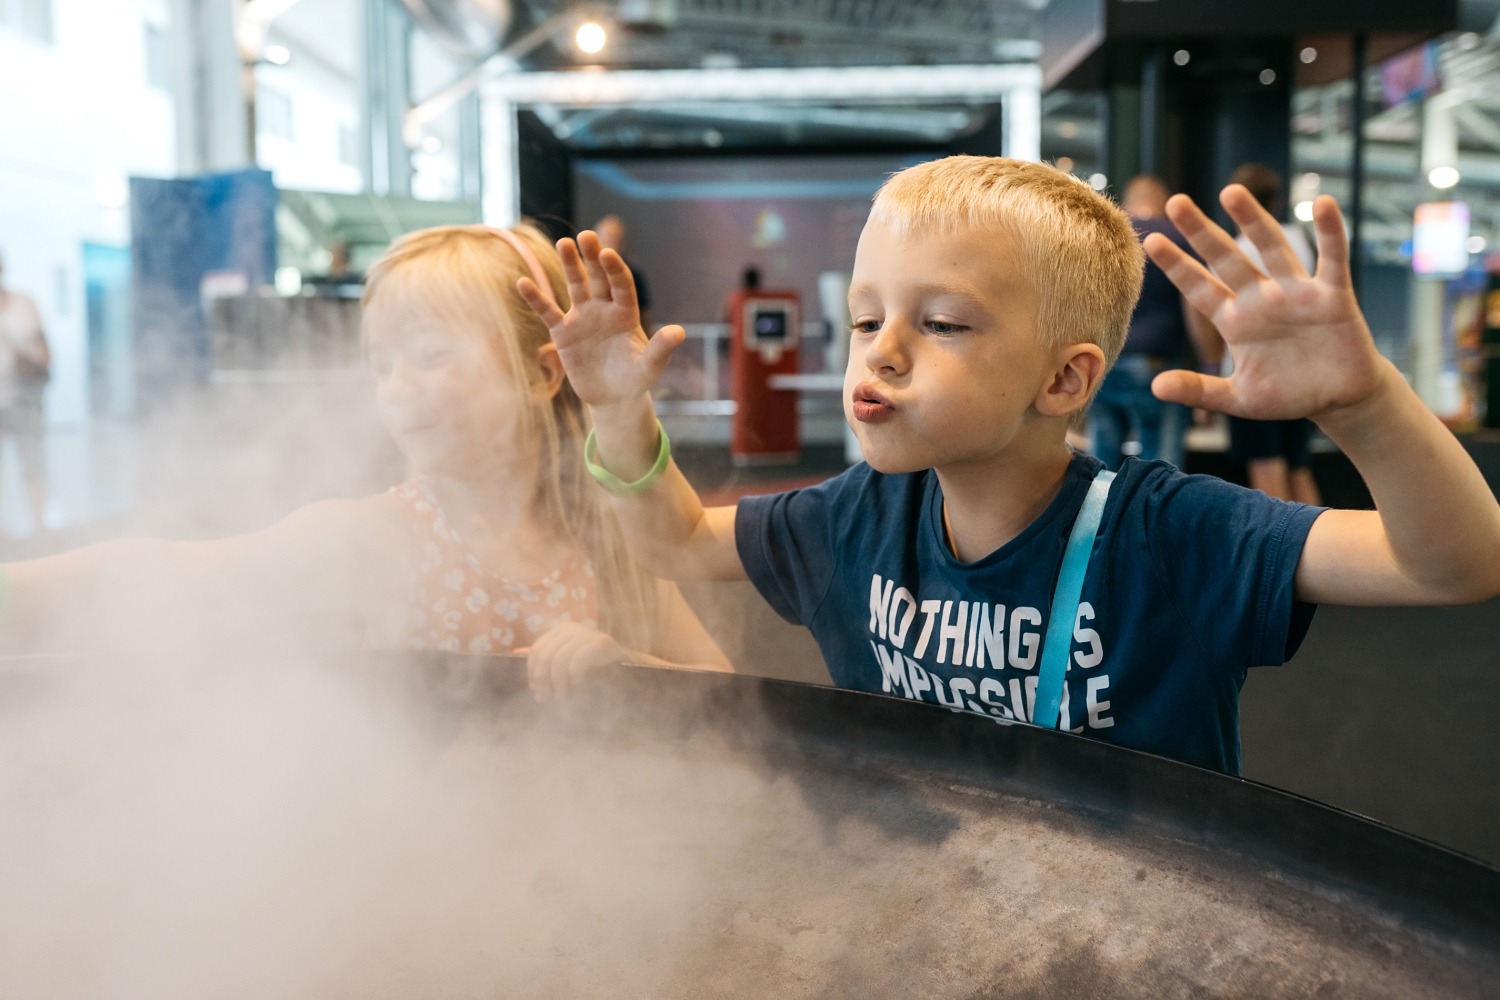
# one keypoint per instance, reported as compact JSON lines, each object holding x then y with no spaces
{"x":612,"y":234}
{"x":1164,"y":333}
{"x":1275,"y":452}
{"x":25,"y":368}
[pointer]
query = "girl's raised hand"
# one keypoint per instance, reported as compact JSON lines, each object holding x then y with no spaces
{"x":608,"y":357}
{"x":1300,"y":345}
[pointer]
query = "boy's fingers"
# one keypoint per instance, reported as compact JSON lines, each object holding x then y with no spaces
{"x":540,"y":303}
{"x":572,"y":262}
{"x":1203,"y":290}
{"x":1214,"y":245}
{"x":1208,"y":392}
{"x":1262,"y":230}
{"x":1333,"y":242}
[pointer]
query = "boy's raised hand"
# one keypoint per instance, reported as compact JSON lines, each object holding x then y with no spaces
{"x":1300,"y":345}
{"x":608,"y":357}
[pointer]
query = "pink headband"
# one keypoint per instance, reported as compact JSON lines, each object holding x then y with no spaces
{"x":538,"y":275}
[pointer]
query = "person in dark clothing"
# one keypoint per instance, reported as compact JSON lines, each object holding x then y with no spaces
{"x":1164,"y":332}
{"x":611,"y":230}
{"x":1275,"y":452}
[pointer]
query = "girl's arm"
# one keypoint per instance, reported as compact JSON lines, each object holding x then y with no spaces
{"x":613,"y":365}
{"x":294,"y":581}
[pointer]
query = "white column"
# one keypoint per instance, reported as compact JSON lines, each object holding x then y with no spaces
{"x":1425,"y":295}
{"x":1021,"y":123}
{"x":499,"y":161}
{"x":208,"y":87}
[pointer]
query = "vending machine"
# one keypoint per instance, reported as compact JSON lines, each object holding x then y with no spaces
{"x":765,"y":340}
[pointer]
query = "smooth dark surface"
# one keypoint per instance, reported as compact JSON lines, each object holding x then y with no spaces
{"x":1368,"y":904}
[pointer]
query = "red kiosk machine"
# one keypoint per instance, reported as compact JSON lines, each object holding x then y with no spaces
{"x":764,"y":340}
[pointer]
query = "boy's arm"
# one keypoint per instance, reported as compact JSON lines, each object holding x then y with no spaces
{"x":1301,"y":348}
{"x":613,"y":366}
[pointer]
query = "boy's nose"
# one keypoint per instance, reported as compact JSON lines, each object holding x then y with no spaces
{"x":886,"y":350}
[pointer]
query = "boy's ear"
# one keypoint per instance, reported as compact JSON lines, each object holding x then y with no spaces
{"x":549,"y":372}
{"x":1077,"y":373}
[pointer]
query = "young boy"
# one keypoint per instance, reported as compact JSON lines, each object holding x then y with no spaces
{"x":989,"y":297}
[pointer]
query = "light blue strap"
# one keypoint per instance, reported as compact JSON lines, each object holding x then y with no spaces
{"x":1058,"y":643}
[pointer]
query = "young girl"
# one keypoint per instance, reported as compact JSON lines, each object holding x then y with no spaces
{"x":499,"y":541}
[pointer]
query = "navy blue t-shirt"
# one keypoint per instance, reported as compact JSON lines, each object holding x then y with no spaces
{"x":1189,"y":585}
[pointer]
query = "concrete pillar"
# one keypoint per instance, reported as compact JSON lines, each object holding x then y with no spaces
{"x":208,"y":91}
{"x":385,"y":78}
{"x":499,"y":160}
{"x":1021,"y":124}
{"x":1426,"y":294}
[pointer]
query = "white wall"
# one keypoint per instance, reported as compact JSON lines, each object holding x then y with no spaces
{"x":76,"y":118}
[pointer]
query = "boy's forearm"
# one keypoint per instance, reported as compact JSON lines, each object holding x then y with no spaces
{"x":1440,"y":517}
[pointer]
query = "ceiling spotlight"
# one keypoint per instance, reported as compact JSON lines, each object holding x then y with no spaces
{"x":1308,"y":54}
{"x":278,"y":55}
{"x":1476,"y":244}
{"x":590,"y":37}
{"x":1068,"y":130}
{"x":1181,"y":57}
{"x":1065,"y":164}
{"x":1442,"y":177}
{"x":1303,"y":211}
{"x":432,"y":144}
{"x":1098,"y":182}
{"x":1468,"y":40}
{"x":1311,"y":179}
{"x":1268,"y":76}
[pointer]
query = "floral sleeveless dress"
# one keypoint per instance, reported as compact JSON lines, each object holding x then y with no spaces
{"x":459,"y":605}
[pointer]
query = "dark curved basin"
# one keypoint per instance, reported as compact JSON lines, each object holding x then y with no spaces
{"x":671,"y":834}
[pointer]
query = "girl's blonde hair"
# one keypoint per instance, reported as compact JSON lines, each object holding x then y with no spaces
{"x":466,"y":276}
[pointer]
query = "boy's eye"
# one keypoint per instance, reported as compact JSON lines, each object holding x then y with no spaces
{"x":865,"y":325}
{"x":943,"y":327}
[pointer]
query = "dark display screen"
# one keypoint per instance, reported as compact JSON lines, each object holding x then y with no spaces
{"x":770,"y":324}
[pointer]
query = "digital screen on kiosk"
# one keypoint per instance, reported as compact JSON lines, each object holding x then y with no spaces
{"x":770,"y":324}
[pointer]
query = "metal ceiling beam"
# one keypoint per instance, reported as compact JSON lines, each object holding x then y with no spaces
{"x":885,"y":84}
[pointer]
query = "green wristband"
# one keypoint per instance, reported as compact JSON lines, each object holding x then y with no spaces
{"x":614,"y":483}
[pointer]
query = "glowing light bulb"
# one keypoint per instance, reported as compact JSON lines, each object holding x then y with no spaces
{"x":1442,"y":177}
{"x":590,"y":37}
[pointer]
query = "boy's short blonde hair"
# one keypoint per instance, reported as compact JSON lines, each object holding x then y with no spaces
{"x":1084,"y":259}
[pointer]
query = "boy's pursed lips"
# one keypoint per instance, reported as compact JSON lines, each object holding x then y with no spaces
{"x":869,"y":403}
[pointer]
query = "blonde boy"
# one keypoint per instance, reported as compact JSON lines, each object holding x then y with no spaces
{"x":989,"y":297}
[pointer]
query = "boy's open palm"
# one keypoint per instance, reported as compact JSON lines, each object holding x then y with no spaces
{"x":608,"y":357}
{"x":1301,"y":348}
